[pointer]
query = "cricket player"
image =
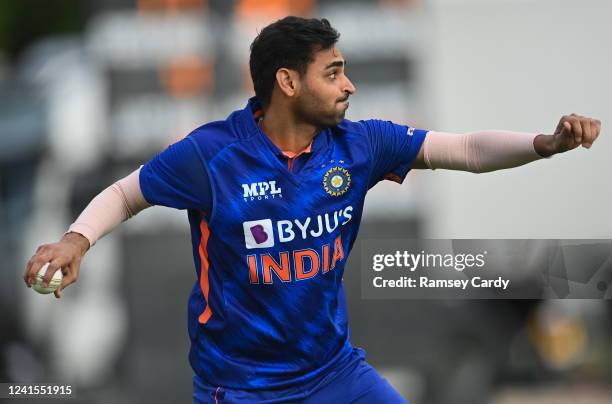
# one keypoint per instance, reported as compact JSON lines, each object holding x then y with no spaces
{"x":274,"y":196}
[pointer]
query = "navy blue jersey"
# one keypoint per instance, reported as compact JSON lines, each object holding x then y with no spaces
{"x":270,"y":243}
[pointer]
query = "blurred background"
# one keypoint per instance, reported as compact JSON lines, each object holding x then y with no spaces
{"x":91,"y":89}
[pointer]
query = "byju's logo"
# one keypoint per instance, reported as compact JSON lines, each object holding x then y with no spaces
{"x":258,"y":234}
{"x":261,"y":190}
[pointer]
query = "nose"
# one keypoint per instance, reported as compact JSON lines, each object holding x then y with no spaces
{"x":349,"y":87}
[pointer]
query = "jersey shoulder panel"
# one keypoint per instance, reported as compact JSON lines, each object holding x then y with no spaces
{"x":214,"y":137}
{"x":354,"y":134}
{"x":351,"y":128}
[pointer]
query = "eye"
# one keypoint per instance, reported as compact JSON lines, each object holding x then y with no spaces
{"x":332,"y":76}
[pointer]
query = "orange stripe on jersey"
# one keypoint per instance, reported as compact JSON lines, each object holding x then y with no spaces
{"x":204,"y":284}
{"x":292,"y":155}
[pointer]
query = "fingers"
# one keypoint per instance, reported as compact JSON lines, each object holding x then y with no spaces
{"x":35,"y":263}
{"x":595,"y":126}
{"x":587,"y":137}
{"x":53,"y":267}
{"x":62,"y":256}
{"x":598,"y":128}
{"x":574,"y":120}
{"x":70,"y":277}
{"x":579,"y":129}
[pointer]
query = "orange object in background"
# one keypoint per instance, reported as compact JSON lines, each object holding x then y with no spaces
{"x":171,"y":6}
{"x":561,"y":339}
{"x":188,"y":76}
{"x":274,"y":9}
{"x":252,"y":15}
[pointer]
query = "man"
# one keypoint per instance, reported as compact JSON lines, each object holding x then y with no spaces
{"x":274,"y":197}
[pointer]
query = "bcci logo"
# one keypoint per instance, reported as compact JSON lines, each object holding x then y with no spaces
{"x":336,"y":181}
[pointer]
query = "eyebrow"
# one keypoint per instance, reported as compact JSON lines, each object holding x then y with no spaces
{"x":337,"y":63}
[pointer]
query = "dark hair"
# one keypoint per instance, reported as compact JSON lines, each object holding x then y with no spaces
{"x":290,"y":43}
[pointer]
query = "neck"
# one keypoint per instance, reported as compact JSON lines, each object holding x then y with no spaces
{"x":285,"y":131}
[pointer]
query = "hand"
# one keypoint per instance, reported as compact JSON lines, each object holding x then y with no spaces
{"x":573,"y":131}
{"x":65,"y":254}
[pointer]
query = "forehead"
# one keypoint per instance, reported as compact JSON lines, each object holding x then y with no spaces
{"x":324,"y":57}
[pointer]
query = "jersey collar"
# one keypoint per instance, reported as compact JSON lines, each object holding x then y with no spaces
{"x":320,"y":142}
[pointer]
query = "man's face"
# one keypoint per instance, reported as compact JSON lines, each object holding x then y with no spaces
{"x":324,"y":91}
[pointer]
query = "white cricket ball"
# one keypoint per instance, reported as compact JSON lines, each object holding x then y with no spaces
{"x":55,"y":282}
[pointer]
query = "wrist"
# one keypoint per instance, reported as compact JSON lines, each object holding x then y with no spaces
{"x":544,"y":145}
{"x":77,"y":239}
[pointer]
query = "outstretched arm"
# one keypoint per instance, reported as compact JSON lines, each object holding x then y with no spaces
{"x":108,"y":209}
{"x":494,"y":150}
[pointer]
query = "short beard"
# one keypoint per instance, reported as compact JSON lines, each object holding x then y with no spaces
{"x":308,"y":110}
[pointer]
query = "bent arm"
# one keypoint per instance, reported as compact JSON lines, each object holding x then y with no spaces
{"x":480,"y":152}
{"x":114,"y":205}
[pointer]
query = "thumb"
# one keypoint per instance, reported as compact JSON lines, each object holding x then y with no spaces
{"x":567,"y":127}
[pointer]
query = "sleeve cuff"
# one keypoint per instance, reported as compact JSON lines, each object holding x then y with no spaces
{"x":84,"y":230}
{"x":399,"y":173}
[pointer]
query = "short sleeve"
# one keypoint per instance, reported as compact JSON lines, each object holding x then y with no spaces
{"x":394,"y":149}
{"x":178,"y":178}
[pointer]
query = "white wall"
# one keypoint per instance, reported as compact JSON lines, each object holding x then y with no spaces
{"x":521,"y":65}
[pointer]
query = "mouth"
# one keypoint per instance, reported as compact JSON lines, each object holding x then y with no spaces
{"x":345,"y":102}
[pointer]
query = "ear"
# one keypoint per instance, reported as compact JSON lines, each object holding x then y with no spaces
{"x":288,"y":81}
